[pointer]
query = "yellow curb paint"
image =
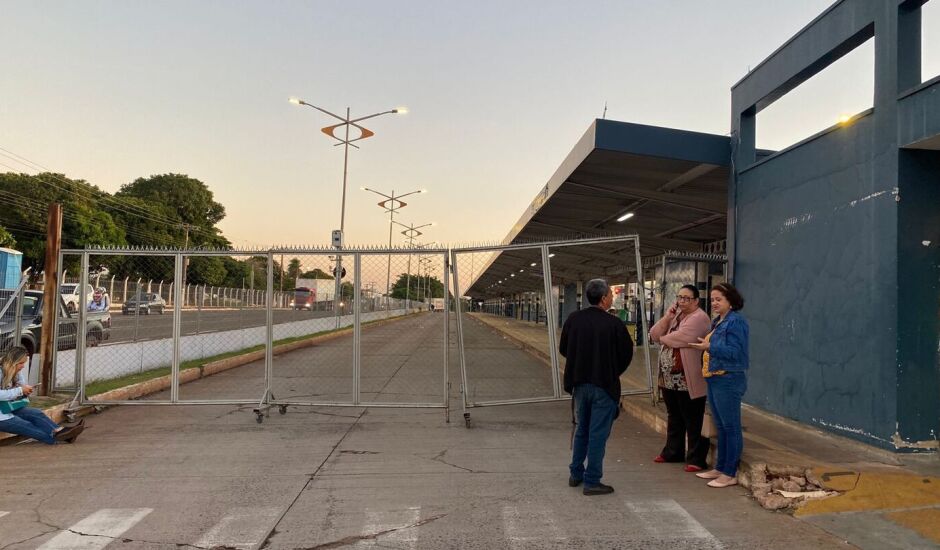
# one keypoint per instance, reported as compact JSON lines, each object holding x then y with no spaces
{"x":925,"y":522}
{"x":876,"y":491}
{"x":836,"y":479}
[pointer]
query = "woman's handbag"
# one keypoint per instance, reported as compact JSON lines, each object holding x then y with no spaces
{"x":7,"y":407}
{"x":708,"y":426}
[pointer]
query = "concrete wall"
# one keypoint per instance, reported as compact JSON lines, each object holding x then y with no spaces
{"x":826,"y":239}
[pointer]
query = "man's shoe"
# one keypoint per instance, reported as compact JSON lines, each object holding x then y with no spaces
{"x":599,"y":489}
{"x":572,"y":482}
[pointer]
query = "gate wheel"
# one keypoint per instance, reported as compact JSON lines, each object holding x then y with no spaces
{"x":466,"y":419}
{"x":282,"y":409}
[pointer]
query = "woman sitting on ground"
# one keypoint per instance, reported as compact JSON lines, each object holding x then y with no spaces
{"x":16,"y":417}
{"x":680,"y":379}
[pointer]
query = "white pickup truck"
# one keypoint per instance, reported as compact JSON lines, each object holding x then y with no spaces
{"x":72,"y":297}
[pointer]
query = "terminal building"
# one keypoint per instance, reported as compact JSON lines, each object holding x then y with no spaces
{"x":834,"y":241}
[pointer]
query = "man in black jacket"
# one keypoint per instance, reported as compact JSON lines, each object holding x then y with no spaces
{"x":597,"y":349}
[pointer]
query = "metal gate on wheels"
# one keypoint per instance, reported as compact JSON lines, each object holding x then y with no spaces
{"x":277,"y":329}
{"x":517,"y":297}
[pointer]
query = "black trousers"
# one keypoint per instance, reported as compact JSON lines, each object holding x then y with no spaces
{"x":685,"y":421}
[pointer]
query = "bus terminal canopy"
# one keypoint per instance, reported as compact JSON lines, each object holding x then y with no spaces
{"x":673,"y":182}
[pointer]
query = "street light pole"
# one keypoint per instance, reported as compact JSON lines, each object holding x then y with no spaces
{"x":346,"y":142}
{"x":411,"y":233}
{"x":391,"y":204}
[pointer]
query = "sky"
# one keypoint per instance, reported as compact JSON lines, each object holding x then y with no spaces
{"x":498,"y":93}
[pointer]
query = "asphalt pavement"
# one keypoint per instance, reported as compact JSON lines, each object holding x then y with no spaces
{"x":128,"y":328}
{"x":354,"y":477}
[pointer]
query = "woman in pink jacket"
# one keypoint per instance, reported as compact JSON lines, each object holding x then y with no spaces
{"x":680,"y":379}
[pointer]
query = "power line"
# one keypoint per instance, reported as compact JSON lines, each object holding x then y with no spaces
{"x":40,"y":207}
{"x":103,"y":196}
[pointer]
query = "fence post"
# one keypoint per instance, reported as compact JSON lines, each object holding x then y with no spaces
{"x":170,"y":291}
{"x":111,"y":289}
{"x":124,"y":297}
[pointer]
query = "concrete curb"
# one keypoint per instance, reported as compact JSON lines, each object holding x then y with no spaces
{"x":141,"y":389}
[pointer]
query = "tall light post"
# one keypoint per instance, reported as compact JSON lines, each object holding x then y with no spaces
{"x":391,"y":205}
{"x":411,"y":233}
{"x":345,"y":141}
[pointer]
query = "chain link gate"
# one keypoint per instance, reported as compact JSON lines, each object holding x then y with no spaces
{"x":279,"y":330}
{"x":518,"y":297}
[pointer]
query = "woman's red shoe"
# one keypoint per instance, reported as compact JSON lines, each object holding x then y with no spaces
{"x":692,"y":468}
{"x":659,"y":459}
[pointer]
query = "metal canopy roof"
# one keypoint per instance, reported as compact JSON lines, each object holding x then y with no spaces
{"x":674,"y":181}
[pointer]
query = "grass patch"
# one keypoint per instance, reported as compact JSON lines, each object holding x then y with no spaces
{"x":102,"y":386}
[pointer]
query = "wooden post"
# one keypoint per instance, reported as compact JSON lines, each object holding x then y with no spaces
{"x":50,"y":292}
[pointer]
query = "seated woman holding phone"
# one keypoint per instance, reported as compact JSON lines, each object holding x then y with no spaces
{"x":16,"y":416}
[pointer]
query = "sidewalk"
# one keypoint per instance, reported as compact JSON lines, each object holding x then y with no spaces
{"x":875,"y":486}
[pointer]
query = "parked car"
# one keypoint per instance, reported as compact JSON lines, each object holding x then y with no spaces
{"x":71,"y":295}
{"x":144,"y":304}
{"x":98,"y":324}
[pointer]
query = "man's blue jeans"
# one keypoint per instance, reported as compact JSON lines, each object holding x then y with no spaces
{"x":595,"y":412}
{"x":30,"y":422}
{"x":724,"y":398}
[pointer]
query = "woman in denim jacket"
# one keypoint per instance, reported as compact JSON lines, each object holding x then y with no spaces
{"x":724,"y":366}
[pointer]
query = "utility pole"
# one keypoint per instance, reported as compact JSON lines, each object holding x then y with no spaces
{"x":50,"y":299}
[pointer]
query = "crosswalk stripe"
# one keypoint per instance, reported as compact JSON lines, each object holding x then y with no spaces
{"x":539,"y":521}
{"x":243,"y":528}
{"x":378,"y":521}
{"x":3,"y":514}
{"x":97,"y":530}
{"x":666,"y":516}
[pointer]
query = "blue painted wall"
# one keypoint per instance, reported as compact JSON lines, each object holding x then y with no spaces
{"x":834,"y":241}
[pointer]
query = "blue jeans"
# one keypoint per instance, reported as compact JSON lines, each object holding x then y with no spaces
{"x":32,"y":423}
{"x":595,"y":415}
{"x":724,"y":398}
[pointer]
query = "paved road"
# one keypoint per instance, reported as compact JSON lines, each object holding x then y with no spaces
{"x":125,"y":328}
{"x":202,"y":477}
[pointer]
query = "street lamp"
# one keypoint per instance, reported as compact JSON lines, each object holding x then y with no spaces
{"x":391,"y":204}
{"x":345,"y":123}
{"x":411,"y":233}
{"x":346,"y":142}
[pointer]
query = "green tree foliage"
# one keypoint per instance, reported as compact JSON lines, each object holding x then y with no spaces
{"x":436,"y":287}
{"x":6,"y":238}
{"x":206,"y":270}
{"x":26,"y":201}
{"x":316,"y":274}
{"x":186,"y":201}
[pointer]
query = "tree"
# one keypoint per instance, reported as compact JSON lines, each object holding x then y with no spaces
{"x":206,"y":271}
{"x":436,"y":287}
{"x":26,"y":201}
{"x":186,"y":202}
{"x":6,"y":239}
{"x":316,"y":274}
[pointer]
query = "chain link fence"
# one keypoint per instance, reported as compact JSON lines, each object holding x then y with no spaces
{"x":369,"y":327}
{"x":518,"y":297}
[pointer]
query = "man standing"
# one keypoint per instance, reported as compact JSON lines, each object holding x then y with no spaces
{"x":597,"y":349}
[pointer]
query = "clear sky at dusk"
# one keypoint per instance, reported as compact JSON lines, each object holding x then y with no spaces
{"x":498,"y":93}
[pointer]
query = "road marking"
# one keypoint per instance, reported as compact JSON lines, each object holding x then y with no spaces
{"x":378,"y":521}
{"x":242,"y":528}
{"x":539,"y":522}
{"x":3,"y":514}
{"x":97,"y":530}
{"x":667,"y":518}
